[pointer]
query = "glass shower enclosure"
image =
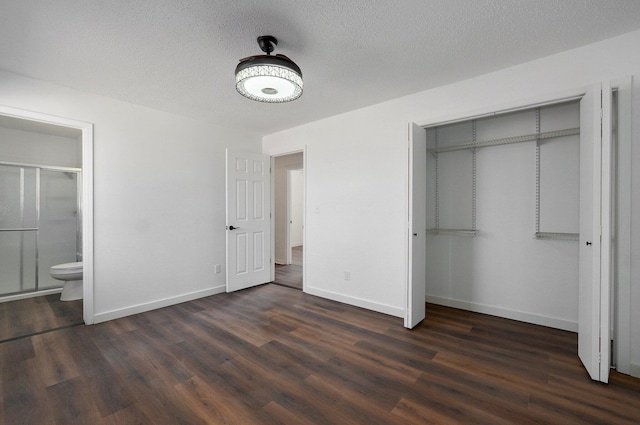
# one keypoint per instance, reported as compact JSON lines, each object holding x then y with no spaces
{"x":40,"y":225}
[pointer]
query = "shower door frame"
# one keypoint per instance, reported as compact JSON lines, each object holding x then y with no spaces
{"x":86,"y":130}
{"x":38,"y":199}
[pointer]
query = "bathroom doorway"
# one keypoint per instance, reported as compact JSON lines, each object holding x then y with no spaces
{"x":289,"y":219}
{"x":44,"y":194}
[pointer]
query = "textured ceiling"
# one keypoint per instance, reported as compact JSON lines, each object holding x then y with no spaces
{"x":179,"y":55}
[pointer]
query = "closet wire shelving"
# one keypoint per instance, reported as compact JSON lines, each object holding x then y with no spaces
{"x":434,"y":151}
{"x":538,"y":136}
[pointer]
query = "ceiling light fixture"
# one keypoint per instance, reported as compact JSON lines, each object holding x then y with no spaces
{"x":266,"y":78}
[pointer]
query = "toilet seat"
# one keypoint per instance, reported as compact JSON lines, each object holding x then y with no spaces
{"x":67,"y":271}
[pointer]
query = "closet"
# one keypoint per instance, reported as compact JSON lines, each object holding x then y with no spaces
{"x":524,"y":214}
{"x":503,"y":204}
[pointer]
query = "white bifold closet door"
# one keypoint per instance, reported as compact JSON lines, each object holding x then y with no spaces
{"x":415,"y":302}
{"x":595,"y":238}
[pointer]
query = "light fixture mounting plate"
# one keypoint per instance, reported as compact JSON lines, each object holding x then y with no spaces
{"x":266,"y":43}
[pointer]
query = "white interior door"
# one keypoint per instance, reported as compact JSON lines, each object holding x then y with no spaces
{"x":594,"y":282}
{"x":296,"y":207}
{"x":248,"y":220}
{"x":417,"y":227}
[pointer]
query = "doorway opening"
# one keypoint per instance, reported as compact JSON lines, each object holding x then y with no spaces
{"x":288,"y":219}
{"x":46,"y":219}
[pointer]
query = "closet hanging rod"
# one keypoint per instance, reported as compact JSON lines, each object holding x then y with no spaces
{"x":508,"y":140}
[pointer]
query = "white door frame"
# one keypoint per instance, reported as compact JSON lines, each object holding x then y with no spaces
{"x":621,"y":299}
{"x":87,"y":195}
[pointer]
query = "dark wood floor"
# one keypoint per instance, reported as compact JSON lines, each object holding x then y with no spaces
{"x":296,"y":255}
{"x":274,"y":355}
{"x":291,"y":274}
{"x":36,"y":315}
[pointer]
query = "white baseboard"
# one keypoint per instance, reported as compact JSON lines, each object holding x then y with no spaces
{"x":635,"y":370}
{"x":358,"y":302}
{"x":141,"y":308}
{"x":280,"y":261}
{"x":521,"y":316}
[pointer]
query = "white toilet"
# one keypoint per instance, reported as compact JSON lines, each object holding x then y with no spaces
{"x":71,"y":274}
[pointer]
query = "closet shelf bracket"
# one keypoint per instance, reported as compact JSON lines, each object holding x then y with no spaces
{"x":459,"y":232}
{"x":557,"y":236}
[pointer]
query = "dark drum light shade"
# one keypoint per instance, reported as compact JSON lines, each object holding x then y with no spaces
{"x":266,"y":78}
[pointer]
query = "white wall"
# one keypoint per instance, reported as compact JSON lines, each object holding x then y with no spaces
{"x":356,"y":169}
{"x":37,"y":148}
{"x":159,"y":203}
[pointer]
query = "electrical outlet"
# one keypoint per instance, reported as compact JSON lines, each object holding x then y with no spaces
{"x":347,"y":275}
{"x":217,"y":268}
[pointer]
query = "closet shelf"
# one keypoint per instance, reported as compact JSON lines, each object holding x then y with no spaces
{"x":44,"y":167}
{"x":508,"y":140}
{"x":459,"y":232}
{"x":557,"y":236}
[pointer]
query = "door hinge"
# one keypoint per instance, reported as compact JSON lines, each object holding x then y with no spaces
{"x":600,"y":350}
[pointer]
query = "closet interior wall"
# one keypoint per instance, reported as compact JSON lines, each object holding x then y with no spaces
{"x":487,"y":204}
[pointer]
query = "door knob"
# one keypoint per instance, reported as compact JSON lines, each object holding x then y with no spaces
{"x":588,"y":243}
{"x":232,"y":227}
